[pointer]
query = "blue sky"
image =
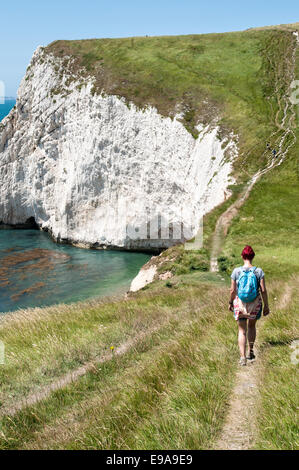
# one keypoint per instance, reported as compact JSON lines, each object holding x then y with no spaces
{"x":26,"y":24}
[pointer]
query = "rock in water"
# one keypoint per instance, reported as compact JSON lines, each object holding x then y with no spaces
{"x":96,"y":172}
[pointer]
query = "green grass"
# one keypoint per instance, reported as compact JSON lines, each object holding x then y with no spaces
{"x":269,"y":221}
{"x":168,"y":390}
{"x":278,"y":417}
{"x":44,"y":343}
{"x":278,"y":410}
{"x":178,"y":261}
{"x":183,"y":370}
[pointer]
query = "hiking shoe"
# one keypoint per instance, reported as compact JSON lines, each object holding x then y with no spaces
{"x":242,"y":361}
{"x":251,"y":356}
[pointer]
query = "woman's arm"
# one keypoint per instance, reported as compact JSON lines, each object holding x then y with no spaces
{"x":233,"y":293}
{"x":265,"y":297}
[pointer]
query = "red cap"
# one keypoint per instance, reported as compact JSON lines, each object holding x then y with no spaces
{"x":248,"y":253}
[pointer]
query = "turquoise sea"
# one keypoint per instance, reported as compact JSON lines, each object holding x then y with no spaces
{"x":6,"y":107}
{"x":35,"y":271}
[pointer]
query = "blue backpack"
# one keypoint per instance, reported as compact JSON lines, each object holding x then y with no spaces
{"x":248,"y":285}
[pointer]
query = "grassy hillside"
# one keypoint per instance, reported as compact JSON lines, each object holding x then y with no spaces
{"x":230,"y":76}
{"x":269,"y":220}
{"x":165,"y":369}
{"x":157,"y":370}
{"x":278,"y":407}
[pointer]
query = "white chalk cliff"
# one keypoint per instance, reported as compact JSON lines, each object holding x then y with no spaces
{"x":94,"y":171}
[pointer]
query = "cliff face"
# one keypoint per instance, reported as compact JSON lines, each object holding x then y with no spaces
{"x":97,"y":172}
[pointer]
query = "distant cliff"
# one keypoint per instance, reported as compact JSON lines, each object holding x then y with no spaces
{"x":97,"y":172}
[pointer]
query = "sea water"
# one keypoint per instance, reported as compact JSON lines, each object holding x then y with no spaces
{"x":35,"y":271}
{"x":6,"y":107}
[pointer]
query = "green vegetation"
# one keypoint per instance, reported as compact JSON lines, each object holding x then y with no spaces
{"x":269,"y":221}
{"x":168,"y":380}
{"x":278,"y":410}
{"x":204,"y":77}
{"x":178,"y":261}
{"x":178,"y":370}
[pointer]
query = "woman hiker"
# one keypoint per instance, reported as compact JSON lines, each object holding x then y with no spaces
{"x":246,"y":293}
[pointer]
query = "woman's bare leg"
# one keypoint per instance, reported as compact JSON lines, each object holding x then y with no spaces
{"x":251,"y":333}
{"x":242,"y":337}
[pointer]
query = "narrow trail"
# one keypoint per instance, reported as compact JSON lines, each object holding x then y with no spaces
{"x":224,"y":221}
{"x":240,"y":428}
{"x":38,"y":395}
{"x":74,"y":375}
